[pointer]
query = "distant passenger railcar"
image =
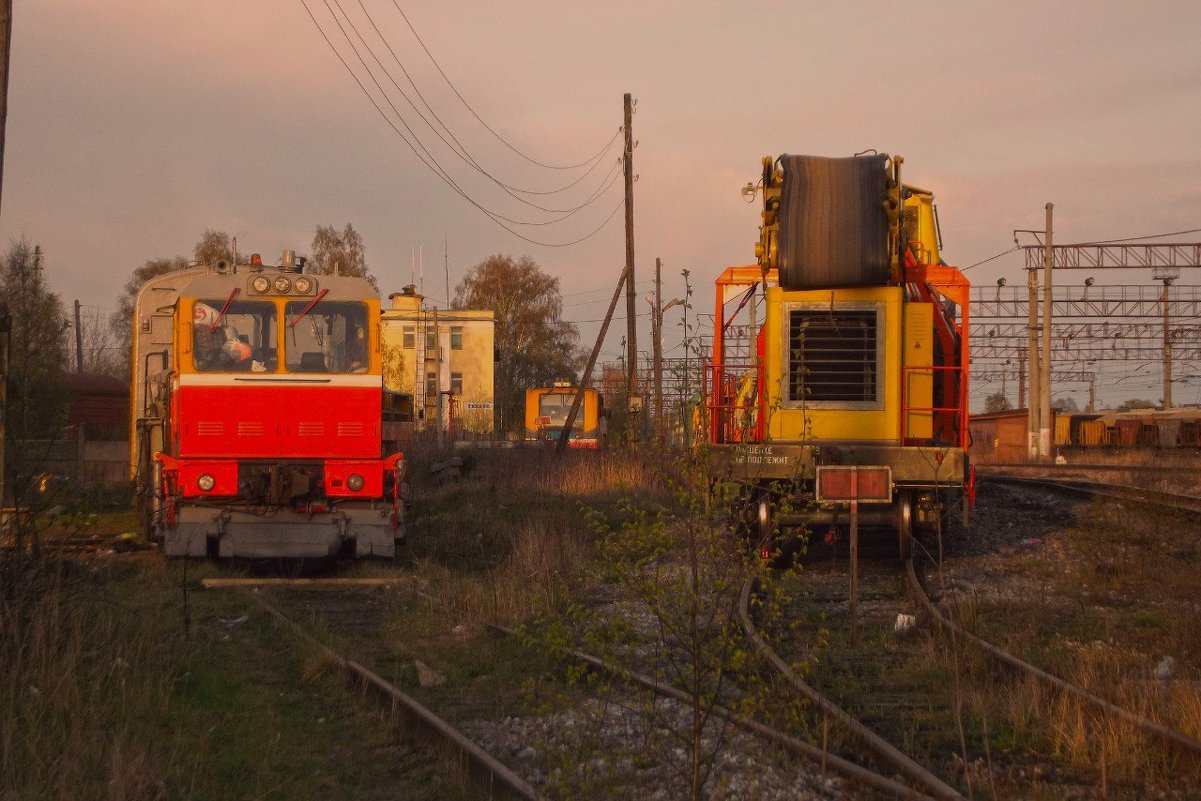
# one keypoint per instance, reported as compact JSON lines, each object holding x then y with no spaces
{"x":260,"y":424}
{"x":546,"y":411}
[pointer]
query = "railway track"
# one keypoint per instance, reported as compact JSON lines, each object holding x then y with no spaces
{"x":836,"y":685}
{"x":1151,"y":727}
{"x":328,"y":600}
{"x":888,"y":773}
{"x":493,"y":777}
{"x":788,"y":742}
{"x":1086,"y":487}
{"x":908,"y":714}
{"x":908,"y":725}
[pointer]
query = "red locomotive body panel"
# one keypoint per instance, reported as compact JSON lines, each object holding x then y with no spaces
{"x":280,"y":421}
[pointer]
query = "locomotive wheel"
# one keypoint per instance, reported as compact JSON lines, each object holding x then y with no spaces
{"x":905,"y":525}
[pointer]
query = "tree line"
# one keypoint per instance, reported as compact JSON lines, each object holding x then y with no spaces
{"x":534,"y":345}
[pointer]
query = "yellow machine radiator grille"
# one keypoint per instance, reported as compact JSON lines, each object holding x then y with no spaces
{"x":832,"y":355}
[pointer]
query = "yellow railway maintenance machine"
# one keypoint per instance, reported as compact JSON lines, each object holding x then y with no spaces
{"x":848,"y":396}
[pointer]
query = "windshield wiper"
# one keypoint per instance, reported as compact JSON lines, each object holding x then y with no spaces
{"x":307,"y":308}
{"x":224,"y":309}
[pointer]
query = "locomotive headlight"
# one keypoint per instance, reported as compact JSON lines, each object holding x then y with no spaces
{"x":282,"y":285}
{"x":206,"y":482}
{"x":303,"y":285}
{"x":260,"y":284}
{"x":354,"y":482}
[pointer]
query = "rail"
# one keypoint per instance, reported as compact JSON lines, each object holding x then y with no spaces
{"x":884,"y":749}
{"x":491,"y":772}
{"x":786,"y":741}
{"x":1147,"y":725}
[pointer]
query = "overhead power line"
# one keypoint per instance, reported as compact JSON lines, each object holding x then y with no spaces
{"x":1137,"y":238}
{"x":454,"y":144}
{"x":423,"y":154}
{"x":990,"y":258}
{"x":467,"y":105}
{"x":416,"y":138}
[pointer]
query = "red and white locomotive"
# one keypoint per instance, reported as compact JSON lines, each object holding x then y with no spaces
{"x":259,"y":414}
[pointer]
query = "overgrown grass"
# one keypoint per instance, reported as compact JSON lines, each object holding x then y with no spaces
{"x":108,"y":692}
{"x":507,"y":539}
{"x":1110,"y":604}
{"x":85,"y":679}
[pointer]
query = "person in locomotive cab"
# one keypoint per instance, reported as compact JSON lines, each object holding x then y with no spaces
{"x":357,"y":351}
{"x":235,"y":353}
{"x":222,"y":349}
{"x":217,"y":349}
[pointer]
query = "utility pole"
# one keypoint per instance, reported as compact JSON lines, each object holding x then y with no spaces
{"x":1021,"y":379}
{"x":1167,"y":275}
{"x":1044,"y":404}
{"x":5,"y":330}
{"x":657,"y":322}
{"x":1092,"y":394}
{"x":561,"y":445}
{"x":1032,"y":402}
{"x":6,"y":37}
{"x":686,"y":423}
{"x":631,"y":311}
{"x":658,"y":309}
{"x":437,"y":376}
{"x":78,"y":341}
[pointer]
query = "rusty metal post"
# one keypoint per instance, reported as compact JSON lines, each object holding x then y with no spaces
{"x":854,"y":569}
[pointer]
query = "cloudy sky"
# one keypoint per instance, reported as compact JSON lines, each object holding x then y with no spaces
{"x":135,"y":125}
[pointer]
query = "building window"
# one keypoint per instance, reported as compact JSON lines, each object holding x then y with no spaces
{"x":431,"y":387}
{"x":456,"y":337}
{"x":456,"y":384}
{"x":431,"y":340}
{"x":409,"y":338}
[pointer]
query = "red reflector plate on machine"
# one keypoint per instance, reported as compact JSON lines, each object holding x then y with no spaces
{"x":863,"y":484}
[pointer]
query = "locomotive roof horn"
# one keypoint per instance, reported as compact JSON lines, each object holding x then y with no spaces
{"x":291,"y":263}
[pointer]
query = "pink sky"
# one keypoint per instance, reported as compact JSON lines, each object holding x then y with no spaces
{"x":133,"y":126}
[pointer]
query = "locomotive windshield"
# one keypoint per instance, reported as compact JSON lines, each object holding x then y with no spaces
{"x":330,"y":338}
{"x":241,"y":339}
{"x":555,"y":408}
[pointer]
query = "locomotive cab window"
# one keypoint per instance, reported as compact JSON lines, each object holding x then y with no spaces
{"x":329,"y":337}
{"x":555,"y":406}
{"x":834,"y":356}
{"x":242,"y":339}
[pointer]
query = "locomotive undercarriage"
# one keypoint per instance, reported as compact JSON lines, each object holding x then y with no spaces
{"x":353,"y":528}
{"x":778,"y":503}
{"x":282,"y":511}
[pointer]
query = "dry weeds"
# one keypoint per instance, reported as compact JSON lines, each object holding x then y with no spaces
{"x":84,"y":686}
